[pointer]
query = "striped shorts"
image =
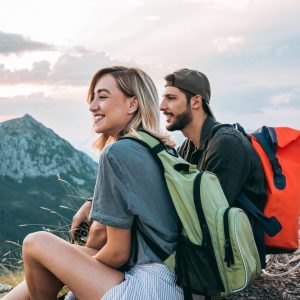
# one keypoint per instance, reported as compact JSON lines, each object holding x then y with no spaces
{"x":148,"y":282}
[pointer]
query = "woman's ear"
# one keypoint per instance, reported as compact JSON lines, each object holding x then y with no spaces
{"x":133,"y":105}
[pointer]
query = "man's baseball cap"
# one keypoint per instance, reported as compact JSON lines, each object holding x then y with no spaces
{"x":193,"y":82}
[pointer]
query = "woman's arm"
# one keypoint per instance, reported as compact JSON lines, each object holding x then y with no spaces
{"x":97,"y":236}
{"x":116,"y":251}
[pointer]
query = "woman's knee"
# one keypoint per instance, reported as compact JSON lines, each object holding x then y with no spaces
{"x":34,"y":241}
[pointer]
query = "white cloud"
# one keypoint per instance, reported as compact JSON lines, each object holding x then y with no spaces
{"x":228,"y":43}
{"x":69,"y":69}
{"x":281,"y":98}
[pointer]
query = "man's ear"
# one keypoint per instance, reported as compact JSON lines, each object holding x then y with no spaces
{"x":133,"y":105}
{"x":196,"y":102}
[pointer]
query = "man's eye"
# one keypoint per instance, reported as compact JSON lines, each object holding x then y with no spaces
{"x":171,"y":98}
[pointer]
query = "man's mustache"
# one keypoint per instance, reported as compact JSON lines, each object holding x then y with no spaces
{"x":168,"y":114}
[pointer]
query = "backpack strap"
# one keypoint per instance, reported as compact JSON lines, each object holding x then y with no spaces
{"x":260,"y":224}
{"x":267,"y":139}
{"x":215,"y":129}
{"x":162,"y":254}
{"x":270,"y":225}
{"x":155,"y":146}
{"x":241,"y":129}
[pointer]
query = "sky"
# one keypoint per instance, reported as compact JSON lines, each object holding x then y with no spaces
{"x":249,"y":50}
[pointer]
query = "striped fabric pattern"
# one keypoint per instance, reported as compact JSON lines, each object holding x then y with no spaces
{"x":147,"y":282}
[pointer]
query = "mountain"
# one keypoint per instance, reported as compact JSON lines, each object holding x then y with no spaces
{"x":31,"y":192}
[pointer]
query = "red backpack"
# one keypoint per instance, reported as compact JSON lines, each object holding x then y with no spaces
{"x":279,"y":151}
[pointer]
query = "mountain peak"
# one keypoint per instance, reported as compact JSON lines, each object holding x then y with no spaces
{"x":26,"y":120}
{"x":29,"y":149}
{"x":30,"y":122}
{"x":27,"y":117}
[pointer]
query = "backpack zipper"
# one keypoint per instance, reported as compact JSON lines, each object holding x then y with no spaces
{"x":229,"y":259}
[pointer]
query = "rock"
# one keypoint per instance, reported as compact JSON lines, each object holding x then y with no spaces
{"x":5,"y":288}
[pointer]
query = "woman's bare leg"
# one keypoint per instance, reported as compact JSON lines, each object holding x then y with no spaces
{"x":49,"y":261}
{"x":20,"y":292}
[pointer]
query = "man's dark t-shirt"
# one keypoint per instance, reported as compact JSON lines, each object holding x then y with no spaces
{"x":232,"y":158}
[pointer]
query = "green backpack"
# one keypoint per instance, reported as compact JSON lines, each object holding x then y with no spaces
{"x":216,"y":253}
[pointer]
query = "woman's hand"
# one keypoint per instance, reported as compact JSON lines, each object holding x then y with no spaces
{"x":81,"y":216}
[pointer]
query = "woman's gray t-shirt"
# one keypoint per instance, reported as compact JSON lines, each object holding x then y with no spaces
{"x":130,"y":185}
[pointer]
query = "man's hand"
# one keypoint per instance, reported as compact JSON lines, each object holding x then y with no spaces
{"x":81,"y":216}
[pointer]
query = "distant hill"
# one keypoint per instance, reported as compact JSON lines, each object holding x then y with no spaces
{"x":31,"y":158}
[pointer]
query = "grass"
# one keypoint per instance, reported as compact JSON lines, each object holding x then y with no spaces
{"x":14,"y":278}
{"x":11,"y":278}
{"x":11,"y":266}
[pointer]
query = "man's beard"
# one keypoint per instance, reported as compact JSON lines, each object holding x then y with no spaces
{"x":182,"y":120}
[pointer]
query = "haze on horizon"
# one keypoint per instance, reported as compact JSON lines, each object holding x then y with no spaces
{"x":249,"y":49}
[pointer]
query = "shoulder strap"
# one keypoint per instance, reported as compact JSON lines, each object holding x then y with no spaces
{"x":216,"y":128}
{"x":151,"y":142}
{"x":155,"y":146}
{"x":267,"y":139}
{"x":271,"y":225}
{"x":260,"y":224}
{"x":162,"y":254}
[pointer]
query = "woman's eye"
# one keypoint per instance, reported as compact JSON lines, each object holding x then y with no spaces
{"x":102,"y":97}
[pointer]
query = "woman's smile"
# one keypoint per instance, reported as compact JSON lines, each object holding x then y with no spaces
{"x":98,"y":118}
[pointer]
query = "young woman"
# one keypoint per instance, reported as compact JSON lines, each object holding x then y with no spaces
{"x":130,"y":202}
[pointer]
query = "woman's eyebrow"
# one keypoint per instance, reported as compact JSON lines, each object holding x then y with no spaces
{"x":103,"y":90}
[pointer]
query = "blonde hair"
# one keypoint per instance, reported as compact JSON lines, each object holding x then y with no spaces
{"x":133,"y":82}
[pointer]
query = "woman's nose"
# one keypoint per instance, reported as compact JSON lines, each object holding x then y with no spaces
{"x":94,"y":105}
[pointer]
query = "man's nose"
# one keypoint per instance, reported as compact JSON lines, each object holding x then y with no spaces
{"x":163,"y":104}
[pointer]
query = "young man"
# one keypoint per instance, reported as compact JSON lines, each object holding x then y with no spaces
{"x":221,"y":150}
